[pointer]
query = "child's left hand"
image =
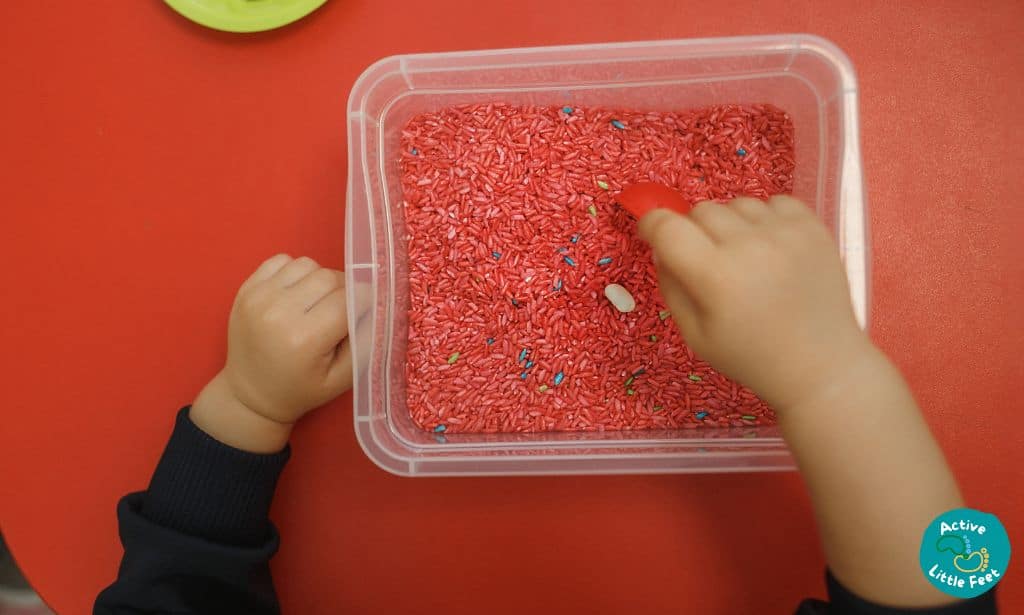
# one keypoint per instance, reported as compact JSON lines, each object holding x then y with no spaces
{"x":287,"y":354}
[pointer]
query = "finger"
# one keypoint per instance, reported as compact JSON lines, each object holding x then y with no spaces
{"x":294,"y":271}
{"x":679,"y":302}
{"x":360,"y":299}
{"x":267,"y":269}
{"x":717,"y":220}
{"x":788,"y":207}
{"x":751,"y":210}
{"x":344,"y":365}
{"x":339,"y":277}
{"x":329,"y":317}
{"x":680,"y":245}
{"x":340,"y":302}
{"x":305,"y":293}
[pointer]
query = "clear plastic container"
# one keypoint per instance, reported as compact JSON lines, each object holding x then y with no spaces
{"x":806,"y":75}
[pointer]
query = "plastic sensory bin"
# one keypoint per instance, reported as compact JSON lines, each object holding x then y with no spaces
{"x":807,"y":76}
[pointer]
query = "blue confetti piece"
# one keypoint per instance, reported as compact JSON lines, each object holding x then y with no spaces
{"x":522,"y":355}
{"x":575,"y":238}
{"x":529,"y":364}
{"x":701,"y":415}
{"x":524,"y":375}
{"x":605,"y":261}
{"x":558,"y":285}
{"x":490,"y":341}
{"x":568,"y":260}
{"x":567,"y":110}
{"x":618,"y":124}
{"x":440,"y":439}
{"x":440,"y":429}
{"x":414,"y":152}
{"x":514,"y":302}
{"x":741,"y":152}
{"x":559,"y":377}
{"x":496,"y":255}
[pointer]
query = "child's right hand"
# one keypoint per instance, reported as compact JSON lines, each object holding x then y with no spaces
{"x":759,"y":291}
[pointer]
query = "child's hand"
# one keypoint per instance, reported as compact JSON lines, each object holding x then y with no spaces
{"x":286,"y":355}
{"x":759,"y":291}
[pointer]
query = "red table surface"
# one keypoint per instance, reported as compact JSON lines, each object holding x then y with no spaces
{"x":148,"y":164}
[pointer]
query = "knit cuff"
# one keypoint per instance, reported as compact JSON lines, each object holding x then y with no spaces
{"x":842,"y":600}
{"x":208,"y":489}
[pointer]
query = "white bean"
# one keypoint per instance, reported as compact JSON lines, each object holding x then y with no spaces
{"x":620,"y":298}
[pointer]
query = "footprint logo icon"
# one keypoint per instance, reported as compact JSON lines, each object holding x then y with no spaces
{"x":978,"y":559}
{"x":964,"y":559}
{"x":952,"y":543}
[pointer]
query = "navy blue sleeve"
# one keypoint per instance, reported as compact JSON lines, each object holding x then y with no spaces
{"x":199,"y":539}
{"x":842,"y":601}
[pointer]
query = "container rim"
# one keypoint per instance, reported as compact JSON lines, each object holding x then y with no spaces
{"x":694,"y":47}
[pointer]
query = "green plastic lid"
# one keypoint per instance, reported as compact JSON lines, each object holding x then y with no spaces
{"x":244,"y":15}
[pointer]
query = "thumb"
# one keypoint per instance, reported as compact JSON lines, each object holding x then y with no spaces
{"x":339,"y":372}
{"x":342,"y":370}
{"x":679,"y":302}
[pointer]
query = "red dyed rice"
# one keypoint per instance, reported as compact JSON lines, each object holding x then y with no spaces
{"x":494,"y":194}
